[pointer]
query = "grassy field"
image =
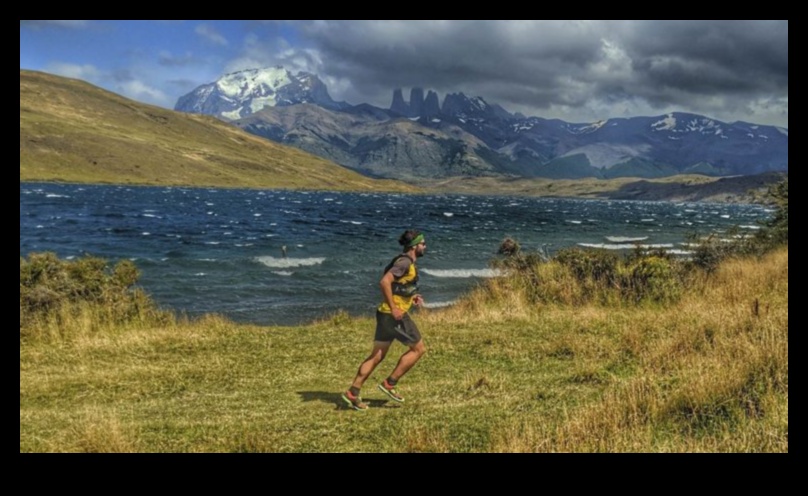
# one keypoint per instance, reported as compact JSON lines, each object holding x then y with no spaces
{"x":504,"y":372}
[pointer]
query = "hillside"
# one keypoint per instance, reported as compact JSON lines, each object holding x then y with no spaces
{"x":75,"y":132}
{"x":372,"y":144}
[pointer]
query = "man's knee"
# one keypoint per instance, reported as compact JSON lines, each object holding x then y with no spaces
{"x":377,"y":355}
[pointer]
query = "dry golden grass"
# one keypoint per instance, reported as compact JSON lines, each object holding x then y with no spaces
{"x":711,"y":376}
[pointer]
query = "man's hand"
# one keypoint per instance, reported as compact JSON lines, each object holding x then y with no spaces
{"x":418,"y":300}
{"x":396,"y":312}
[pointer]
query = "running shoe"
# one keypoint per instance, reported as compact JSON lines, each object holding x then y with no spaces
{"x":390,"y":391}
{"x":354,"y":402}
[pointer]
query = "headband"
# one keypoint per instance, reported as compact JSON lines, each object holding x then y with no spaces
{"x":417,"y":240}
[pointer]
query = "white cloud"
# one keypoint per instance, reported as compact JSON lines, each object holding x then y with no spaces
{"x":138,"y":90}
{"x":86,"y":72}
{"x":209,"y":33}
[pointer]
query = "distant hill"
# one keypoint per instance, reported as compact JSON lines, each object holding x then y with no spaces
{"x":73,"y":131}
{"x":683,"y":187}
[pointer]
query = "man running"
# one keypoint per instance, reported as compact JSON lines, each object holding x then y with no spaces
{"x":399,"y":286}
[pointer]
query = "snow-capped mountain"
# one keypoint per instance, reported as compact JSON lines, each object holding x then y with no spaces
{"x":469,"y":135}
{"x":639,"y":146}
{"x":242,"y":93}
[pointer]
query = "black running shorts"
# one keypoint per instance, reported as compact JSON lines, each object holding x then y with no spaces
{"x":388,"y":329}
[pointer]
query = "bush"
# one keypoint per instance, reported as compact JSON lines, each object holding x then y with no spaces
{"x":51,"y":289}
{"x":595,"y":265}
{"x":652,"y":278}
{"x":576,"y":276}
{"x":509,"y":247}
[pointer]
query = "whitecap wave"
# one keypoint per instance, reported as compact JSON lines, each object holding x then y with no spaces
{"x":285,"y":263}
{"x":624,"y":246}
{"x":462,"y":273}
{"x":624,"y":239}
{"x":439,"y":304}
{"x":680,"y":252}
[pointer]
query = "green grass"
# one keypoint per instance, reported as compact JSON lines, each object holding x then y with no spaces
{"x":503,"y":373}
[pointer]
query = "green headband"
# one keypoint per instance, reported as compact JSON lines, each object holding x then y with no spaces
{"x":418,"y":239}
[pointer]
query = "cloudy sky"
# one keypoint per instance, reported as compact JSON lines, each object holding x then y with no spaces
{"x":579,"y":71}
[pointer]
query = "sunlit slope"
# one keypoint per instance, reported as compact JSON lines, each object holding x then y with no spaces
{"x":73,"y":131}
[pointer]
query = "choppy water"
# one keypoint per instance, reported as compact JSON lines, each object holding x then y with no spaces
{"x":220,"y":250}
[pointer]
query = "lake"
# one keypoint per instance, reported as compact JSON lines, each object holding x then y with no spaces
{"x":220,"y":251}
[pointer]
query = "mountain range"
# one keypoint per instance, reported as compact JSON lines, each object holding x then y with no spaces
{"x":422,"y":138}
{"x":73,"y":131}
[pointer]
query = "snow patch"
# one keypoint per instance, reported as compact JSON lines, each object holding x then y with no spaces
{"x":665,"y":124}
{"x":603,"y":156}
{"x":232,"y":114}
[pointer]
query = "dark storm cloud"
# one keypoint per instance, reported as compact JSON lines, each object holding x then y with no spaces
{"x":445,"y":54}
{"x":704,"y":57}
{"x":721,"y":67}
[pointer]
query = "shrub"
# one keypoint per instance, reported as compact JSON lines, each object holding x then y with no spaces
{"x":595,"y":265}
{"x":52,"y":289}
{"x":576,"y":276}
{"x":652,"y":278}
{"x":509,"y":247}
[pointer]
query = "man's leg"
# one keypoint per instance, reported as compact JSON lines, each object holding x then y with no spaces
{"x":405,"y":363}
{"x":369,"y":365}
{"x":351,"y":396}
{"x":408,"y":359}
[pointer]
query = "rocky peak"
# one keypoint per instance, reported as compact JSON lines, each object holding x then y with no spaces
{"x":431,"y":105}
{"x":399,"y":106}
{"x":416,"y":102}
